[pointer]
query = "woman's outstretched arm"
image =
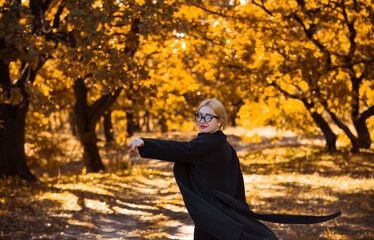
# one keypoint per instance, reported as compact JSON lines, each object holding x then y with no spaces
{"x":173,"y":151}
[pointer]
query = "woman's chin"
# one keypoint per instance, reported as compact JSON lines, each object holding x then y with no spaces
{"x":205,"y":130}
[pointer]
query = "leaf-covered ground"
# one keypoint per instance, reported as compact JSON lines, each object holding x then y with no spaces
{"x":139,"y":199}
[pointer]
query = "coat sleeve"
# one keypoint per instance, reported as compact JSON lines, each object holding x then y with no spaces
{"x":174,"y":151}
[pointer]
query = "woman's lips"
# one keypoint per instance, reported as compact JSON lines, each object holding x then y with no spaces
{"x":202,"y":126}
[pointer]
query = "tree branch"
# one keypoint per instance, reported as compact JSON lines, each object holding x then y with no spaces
{"x":262,"y":6}
{"x":294,"y":96}
{"x":46,"y":5}
{"x":352,"y":31}
{"x":102,"y":104}
{"x":56,"y":20}
{"x":345,"y":128}
{"x":209,"y":11}
{"x":367,"y":113}
{"x":37,"y":11}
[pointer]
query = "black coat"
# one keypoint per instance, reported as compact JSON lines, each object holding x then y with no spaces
{"x":208,"y":174}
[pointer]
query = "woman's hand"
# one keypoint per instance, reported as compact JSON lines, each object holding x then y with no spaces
{"x":135,"y":142}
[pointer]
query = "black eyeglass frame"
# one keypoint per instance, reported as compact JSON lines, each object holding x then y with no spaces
{"x":199,"y":117}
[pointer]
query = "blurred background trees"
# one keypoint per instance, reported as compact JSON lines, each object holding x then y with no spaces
{"x":145,"y":65}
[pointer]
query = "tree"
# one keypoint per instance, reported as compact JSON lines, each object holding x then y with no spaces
{"x":92,"y":43}
{"x":315,"y":52}
{"x":24,"y":50}
{"x":324,"y":46}
{"x":106,"y":37}
{"x":97,"y":87}
{"x":194,"y":61}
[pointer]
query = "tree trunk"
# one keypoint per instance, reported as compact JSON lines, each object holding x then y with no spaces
{"x":359,"y":120}
{"x":132,"y":125}
{"x":87,"y":137}
{"x":147,"y":121}
{"x":363,"y":134}
{"x":91,"y":156}
{"x":347,"y":131}
{"x":330,"y":136}
{"x":108,"y":127}
{"x":86,"y":118}
{"x":12,"y":141}
{"x":86,"y":128}
{"x":72,"y":123}
{"x":162,"y":122}
{"x":234,"y":113}
{"x":12,"y":131}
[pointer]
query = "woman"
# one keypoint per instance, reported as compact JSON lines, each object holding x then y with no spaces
{"x":208,"y":174}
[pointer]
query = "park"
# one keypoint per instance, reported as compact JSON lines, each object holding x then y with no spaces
{"x":79,"y":79}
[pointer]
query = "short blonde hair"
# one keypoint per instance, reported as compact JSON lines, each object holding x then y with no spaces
{"x":218,"y":108}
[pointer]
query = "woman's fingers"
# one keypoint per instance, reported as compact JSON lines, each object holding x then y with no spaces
{"x":141,"y":142}
{"x":131,"y":144}
{"x":134,"y":143}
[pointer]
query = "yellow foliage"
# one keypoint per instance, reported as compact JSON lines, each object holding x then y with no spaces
{"x":255,"y":138}
{"x":304,"y":86}
{"x":45,"y":90}
{"x":279,"y":112}
{"x":252,"y":114}
{"x":367,"y":90}
{"x":343,"y":140}
{"x":179,"y":123}
{"x":25,"y":2}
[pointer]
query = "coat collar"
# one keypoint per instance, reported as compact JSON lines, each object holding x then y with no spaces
{"x":217,"y":133}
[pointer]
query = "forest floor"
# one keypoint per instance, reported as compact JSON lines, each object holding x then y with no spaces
{"x":138,"y":198}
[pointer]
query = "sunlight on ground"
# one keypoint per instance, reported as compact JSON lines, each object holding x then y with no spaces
{"x":67,"y":200}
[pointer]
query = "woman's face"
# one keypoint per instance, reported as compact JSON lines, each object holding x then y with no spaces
{"x":204,"y":125}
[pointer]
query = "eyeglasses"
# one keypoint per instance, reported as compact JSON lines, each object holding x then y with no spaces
{"x":207,"y":118}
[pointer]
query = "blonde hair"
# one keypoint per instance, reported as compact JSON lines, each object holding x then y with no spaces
{"x":218,"y":108}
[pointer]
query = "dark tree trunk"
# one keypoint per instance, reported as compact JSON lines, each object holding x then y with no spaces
{"x":13,"y":116}
{"x":233,"y":115}
{"x":86,"y":128}
{"x":162,"y":122}
{"x":91,"y":156}
{"x":330,"y":136}
{"x":12,"y":141}
{"x":359,"y":120}
{"x":86,"y":118}
{"x":108,"y":127}
{"x":12,"y":129}
{"x":72,"y":123}
{"x":146,"y":121}
{"x":364,"y":140}
{"x":347,"y":131}
{"x":132,"y":124}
